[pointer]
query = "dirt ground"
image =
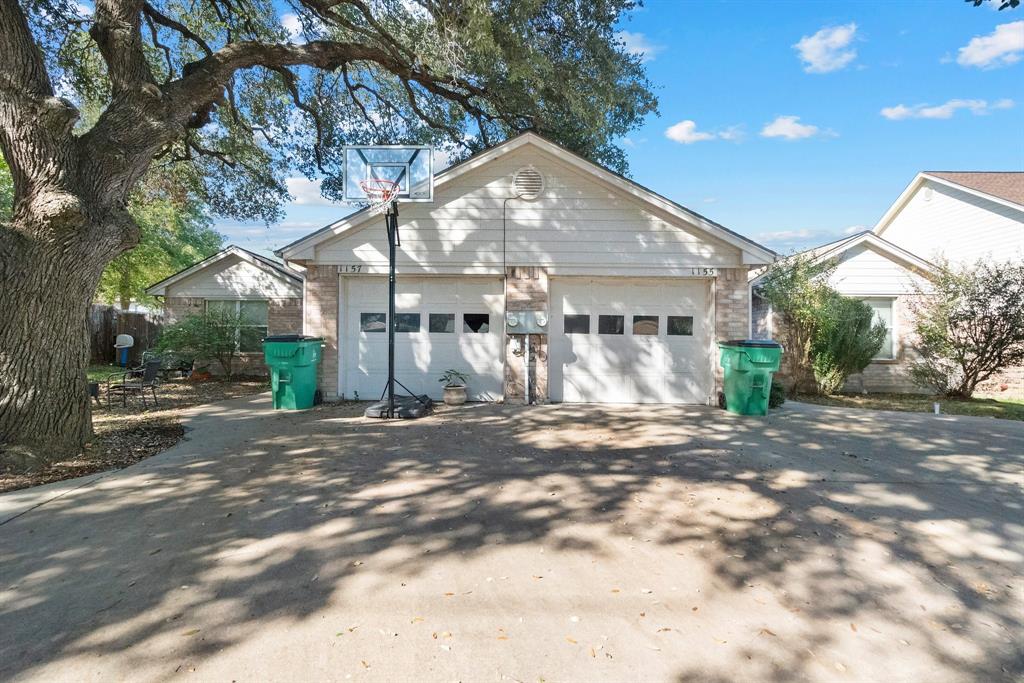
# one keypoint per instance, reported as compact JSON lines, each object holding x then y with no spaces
{"x":554,"y":543}
{"x":127,"y":434}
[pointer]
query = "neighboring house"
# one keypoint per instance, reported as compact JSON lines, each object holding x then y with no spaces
{"x":959,"y":217}
{"x":635,"y":289}
{"x":266,"y":292}
{"x":884,"y":276}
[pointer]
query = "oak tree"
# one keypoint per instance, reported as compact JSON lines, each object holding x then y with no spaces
{"x":240,"y":96}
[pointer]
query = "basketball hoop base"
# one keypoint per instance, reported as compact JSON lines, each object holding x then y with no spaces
{"x":406,"y":408}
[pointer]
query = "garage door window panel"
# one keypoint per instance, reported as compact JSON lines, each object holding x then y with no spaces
{"x":441,"y":323}
{"x":407,"y":322}
{"x":373,"y":322}
{"x":611,"y":324}
{"x":680,"y":325}
{"x":576,"y":324}
{"x":645,"y":325}
{"x":476,"y":323}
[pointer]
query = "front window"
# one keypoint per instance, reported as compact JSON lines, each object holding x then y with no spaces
{"x":883,"y":314}
{"x":252,"y":321}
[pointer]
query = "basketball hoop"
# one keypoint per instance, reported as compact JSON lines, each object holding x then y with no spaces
{"x":380,"y":192}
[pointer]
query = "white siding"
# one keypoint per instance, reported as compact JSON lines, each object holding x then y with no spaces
{"x":577,"y":222}
{"x":864,"y":271}
{"x":956,"y":224}
{"x":235,"y":278}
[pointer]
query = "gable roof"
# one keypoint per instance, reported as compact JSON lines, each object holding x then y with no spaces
{"x":1001,"y":187}
{"x":1008,"y":185}
{"x":761,"y":253}
{"x":262,"y":262}
{"x":834,"y":249}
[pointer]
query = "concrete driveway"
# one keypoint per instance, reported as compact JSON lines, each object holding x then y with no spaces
{"x":558,"y":543}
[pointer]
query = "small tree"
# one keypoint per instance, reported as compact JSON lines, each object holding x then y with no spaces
{"x":827,"y":336}
{"x":969,"y":325}
{"x":846,"y":340}
{"x":209,"y":336}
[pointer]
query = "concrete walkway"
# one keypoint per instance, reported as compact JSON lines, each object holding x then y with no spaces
{"x":559,"y":543}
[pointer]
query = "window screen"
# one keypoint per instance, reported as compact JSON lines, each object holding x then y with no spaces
{"x":576,"y":324}
{"x":250,"y":318}
{"x":883,"y":314}
{"x":442,"y":323}
{"x":478,"y":323}
{"x":407,"y":322}
{"x":373,"y":322}
{"x":680,"y":325}
{"x":611,"y":324}
{"x":645,"y":325}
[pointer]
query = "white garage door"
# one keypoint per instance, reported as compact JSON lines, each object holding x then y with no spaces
{"x":441,"y":323}
{"x":622,"y":340}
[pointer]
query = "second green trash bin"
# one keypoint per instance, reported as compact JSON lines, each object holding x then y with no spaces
{"x":749,"y":365}
{"x":293,"y":361}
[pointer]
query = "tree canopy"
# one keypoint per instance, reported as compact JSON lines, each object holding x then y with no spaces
{"x":275,"y":92}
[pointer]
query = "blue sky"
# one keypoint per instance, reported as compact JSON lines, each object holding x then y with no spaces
{"x":796,"y":122}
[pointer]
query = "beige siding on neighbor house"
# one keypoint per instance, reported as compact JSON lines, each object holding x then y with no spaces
{"x":235,"y":278}
{"x":578,"y":225}
{"x":961,"y":226}
{"x":863,"y":271}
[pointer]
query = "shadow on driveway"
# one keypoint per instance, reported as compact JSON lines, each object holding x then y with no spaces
{"x":564,"y":542}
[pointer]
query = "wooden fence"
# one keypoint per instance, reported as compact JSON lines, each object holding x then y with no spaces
{"x":106,"y":322}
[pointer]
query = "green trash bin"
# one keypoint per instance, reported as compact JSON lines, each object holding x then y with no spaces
{"x":293,"y":361}
{"x":749,"y":365}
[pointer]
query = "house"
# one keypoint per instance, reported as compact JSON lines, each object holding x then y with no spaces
{"x":887,"y":278}
{"x":959,"y":217}
{"x":629,"y":290}
{"x":266,"y":292}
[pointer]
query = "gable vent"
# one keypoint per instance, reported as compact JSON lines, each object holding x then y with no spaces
{"x":528,"y":183}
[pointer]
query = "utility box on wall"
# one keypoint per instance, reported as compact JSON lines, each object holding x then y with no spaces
{"x":526,"y":322}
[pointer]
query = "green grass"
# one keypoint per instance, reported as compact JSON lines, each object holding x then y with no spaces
{"x":1004,"y":409}
{"x":99,"y":373}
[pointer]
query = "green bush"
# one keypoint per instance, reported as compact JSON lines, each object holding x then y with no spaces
{"x":209,"y":336}
{"x":845,"y":341}
{"x":778,"y":394}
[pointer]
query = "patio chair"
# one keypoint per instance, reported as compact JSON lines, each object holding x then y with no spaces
{"x":135,"y":381}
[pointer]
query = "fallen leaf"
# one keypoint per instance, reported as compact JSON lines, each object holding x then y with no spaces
{"x":593,"y":652}
{"x":616,"y":590}
{"x":416,"y":620}
{"x":840,"y":666}
{"x":663,"y":629}
{"x":766,"y":632}
{"x":853,"y":627}
{"x":448,"y":595}
{"x":574,"y":642}
{"x":191,"y":632}
{"x":363,"y":662}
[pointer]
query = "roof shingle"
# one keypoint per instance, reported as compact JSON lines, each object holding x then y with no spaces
{"x":1006,"y":185}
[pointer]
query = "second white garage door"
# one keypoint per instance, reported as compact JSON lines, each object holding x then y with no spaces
{"x":441,"y":323}
{"x":624,"y":340}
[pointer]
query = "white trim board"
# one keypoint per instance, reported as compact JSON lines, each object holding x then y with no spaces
{"x":917,"y":182}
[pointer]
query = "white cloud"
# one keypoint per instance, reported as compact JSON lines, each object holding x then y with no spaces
{"x":307,"y":192}
{"x":790,"y":128}
{"x":785,"y":235}
{"x":828,"y":49}
{"x":853,"y":229}
{"x":943,"y":111}
{"x":1001,"y":47}
{"x":637,"y":44}
{"x":291,"y":24}
{"x":686,"y":132}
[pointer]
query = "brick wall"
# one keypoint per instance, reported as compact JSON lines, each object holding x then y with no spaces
{"x":284,"y":316}
{"x":1007,"y":384}
{"x":321,"y":317}
{"x":527,"y":289}
{"x":732,"y":310}
{"x":178,"y":307}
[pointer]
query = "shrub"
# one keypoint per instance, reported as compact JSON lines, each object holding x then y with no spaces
{"x":969,"y":325}
{"x":211,"y":335}
{"x":845,"y":341}
{"x":777,"y":396}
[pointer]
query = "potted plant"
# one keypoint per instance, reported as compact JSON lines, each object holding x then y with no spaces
{"x":454,"y":383}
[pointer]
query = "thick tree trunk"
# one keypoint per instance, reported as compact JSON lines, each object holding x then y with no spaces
{"x":44,"y":343}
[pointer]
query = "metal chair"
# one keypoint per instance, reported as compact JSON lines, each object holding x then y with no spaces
{"x":136,"y":381}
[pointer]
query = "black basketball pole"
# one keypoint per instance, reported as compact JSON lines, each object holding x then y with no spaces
{"x":391,"y":219}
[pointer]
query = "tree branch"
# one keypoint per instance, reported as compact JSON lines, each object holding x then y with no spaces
{"x":156,"y":16}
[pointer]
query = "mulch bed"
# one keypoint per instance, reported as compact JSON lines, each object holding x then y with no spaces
{"x":124,"y":435}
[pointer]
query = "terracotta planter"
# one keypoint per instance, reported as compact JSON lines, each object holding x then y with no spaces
{"x":454,"y":396}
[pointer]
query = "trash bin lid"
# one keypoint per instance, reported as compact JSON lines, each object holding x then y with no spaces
{"x":290,"y":338}
{"x":753,"y":343}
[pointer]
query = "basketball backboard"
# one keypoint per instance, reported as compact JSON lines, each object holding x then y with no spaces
{"x":411,"y":166}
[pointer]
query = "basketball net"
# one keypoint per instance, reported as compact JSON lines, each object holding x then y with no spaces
{"x":379,"y":193}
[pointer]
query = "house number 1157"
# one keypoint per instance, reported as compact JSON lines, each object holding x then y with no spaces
{"x":351,"y":269}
